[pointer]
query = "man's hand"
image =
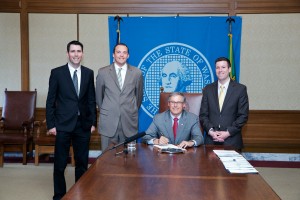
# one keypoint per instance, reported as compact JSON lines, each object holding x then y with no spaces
{"x":93,"y":128}
{"x":223,"y":135}
{"x":185,"y":144}
{"x":219,"y":136}
{"x":161,"y":140}
{"x":52,"y":131}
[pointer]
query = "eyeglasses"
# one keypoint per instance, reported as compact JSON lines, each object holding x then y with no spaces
{"x":176,"y":102}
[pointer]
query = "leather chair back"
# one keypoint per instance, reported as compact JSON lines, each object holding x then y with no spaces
{"x":193,"y":102}
{"x":18,"y":107}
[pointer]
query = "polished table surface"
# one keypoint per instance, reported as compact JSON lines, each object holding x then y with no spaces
{"x":148,"y":174}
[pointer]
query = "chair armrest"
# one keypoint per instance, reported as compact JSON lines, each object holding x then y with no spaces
{"x":40,"y":127}
{"x":2,"y":123}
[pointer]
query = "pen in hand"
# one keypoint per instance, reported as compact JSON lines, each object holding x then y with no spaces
{"x":163,"y":140}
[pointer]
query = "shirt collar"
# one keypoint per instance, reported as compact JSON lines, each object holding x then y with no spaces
{"x":123,"y":67}
{"x":178,"y":117}
{"x":225,"y":85}
{"x":72,"y":69}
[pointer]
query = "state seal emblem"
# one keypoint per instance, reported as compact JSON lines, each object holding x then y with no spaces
{"x":175,"y":67}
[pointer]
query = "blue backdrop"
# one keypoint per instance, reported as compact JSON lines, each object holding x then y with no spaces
{"x":176,"y":53}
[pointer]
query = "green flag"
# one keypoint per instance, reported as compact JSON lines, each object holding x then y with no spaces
{"x":231,"y":58}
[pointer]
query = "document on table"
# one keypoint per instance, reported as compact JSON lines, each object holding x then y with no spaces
{"x":235,"y":162}
{"x":169,"y":148}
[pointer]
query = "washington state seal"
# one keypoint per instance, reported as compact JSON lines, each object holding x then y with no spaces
{"x":173,"y":67}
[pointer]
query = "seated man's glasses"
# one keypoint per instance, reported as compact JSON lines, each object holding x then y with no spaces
{"x":176,"y":102}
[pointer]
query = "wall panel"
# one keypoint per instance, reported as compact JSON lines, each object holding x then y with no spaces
{"x":10,"y":54}
{"x":49,"y":35}
{"x":93,"y":33}
{"x":270,"y":60}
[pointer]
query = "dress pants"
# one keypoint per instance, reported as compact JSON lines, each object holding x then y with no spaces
{"x":80,"y":140}
{"x":117,"y":138}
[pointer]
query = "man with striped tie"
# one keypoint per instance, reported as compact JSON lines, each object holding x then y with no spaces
{"x":224,"y":108}
{"x":119,"y":92}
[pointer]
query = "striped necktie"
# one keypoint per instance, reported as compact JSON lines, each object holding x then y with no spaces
{"x":221,"y":97}
{"x":120,"y":77}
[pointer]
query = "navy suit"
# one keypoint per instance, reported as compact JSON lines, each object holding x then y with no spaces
{"x":62,"y":112}
{"x":232,"y":117}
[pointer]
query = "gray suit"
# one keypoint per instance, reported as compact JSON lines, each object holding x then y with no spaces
{"x":188,"y":128}
{"x":115,"y":104}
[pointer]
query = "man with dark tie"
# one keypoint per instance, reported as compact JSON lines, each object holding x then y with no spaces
{"x":224,"y":108}
{"x":175,"y":126}
{"x":71,"y":114}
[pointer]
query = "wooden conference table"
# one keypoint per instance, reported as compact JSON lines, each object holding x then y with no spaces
{"x":148,"y":174}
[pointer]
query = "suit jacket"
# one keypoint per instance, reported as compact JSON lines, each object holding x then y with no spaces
{"x":115,"y":104}
{"x":232,"y":117}
{"x":63,"y":104}
{"x":188,"y":128}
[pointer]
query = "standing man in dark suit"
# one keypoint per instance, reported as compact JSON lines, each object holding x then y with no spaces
{"x":162,"y":130}
{"x":224,"y":108}
{"x":119,"y":92}
{"x":71,"y":114}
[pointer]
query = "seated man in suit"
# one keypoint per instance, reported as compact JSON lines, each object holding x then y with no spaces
{"x":175,"y":126}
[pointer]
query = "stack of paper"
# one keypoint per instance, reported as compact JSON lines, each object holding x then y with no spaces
{"x":235,"y":162}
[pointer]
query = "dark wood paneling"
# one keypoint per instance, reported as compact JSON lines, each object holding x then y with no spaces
{"x":265,"y":131}
{"x":129,"y":6}
{"x":25,"y":76}
{"x":10,"y":6}
{"x":231,"y":7}
{"x":95,"y":142}
{"x":267,"y":6}
{"x":272,"y":131}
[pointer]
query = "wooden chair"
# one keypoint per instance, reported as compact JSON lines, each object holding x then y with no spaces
{"x":17,"y":123}
{"x":44,"y":143}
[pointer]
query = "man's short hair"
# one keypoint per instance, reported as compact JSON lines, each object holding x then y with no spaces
{"x":177,"y":94}
{"x":223,"y":59}
{"x":74,"y":42}
{"x":122,"y":44}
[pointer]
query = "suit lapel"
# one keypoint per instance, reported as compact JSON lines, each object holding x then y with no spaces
{"x":113,"y":74}
{"x":83,"y":80}
{"x":168,"y":126}
{"x":127,"y":76}
{"x":181,"y":126}
{"x":228,"y":93}
{"x":69,"y":80}
{"x":215,"y":94}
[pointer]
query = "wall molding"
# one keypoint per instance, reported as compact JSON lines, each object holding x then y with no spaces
{"x":231,"y":7}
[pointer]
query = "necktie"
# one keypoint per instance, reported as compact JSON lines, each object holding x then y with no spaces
{"x":120,"y":77}
{"x":221,"y":97}
{"x":175,"y":126}
{"x":75,"y":81}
